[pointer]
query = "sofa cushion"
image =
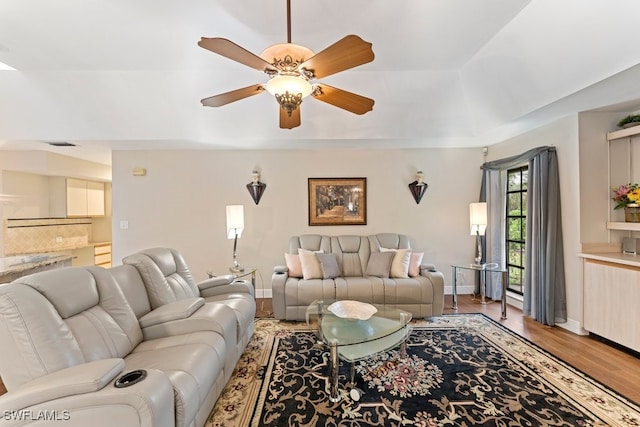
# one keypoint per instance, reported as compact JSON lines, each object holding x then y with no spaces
{"x":400,"y":263}
{"x":60,"y":287}
{"x":193,"y":362}
{"x":328,"y":265}
{"x":379,"y":264}
{"x":310,"y":265}
{"x":414,"y":263}
{"x":293,"y":264}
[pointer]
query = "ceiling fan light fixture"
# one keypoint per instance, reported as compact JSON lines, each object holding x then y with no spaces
{"x":289,"y":90}
{"x":280,"y":84}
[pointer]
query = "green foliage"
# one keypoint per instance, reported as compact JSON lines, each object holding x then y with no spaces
{"x":631,"y":118}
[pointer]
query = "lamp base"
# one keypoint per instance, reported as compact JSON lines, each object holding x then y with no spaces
{"x":236,"y":269}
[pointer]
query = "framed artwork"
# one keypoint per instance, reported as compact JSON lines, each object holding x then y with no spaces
{"x":337,"y":201}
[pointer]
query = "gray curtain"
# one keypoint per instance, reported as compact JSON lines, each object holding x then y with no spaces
{"x":544,"y":281}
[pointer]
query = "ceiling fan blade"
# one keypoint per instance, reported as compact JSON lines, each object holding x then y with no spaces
{"x":234,"y":95}
{"x":356,"y":104}
{"x":289,"y":122}
{"x":232,"y":51}
{"x":346,"y":53}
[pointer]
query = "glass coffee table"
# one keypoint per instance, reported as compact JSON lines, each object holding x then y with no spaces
{"x":352,"y":337}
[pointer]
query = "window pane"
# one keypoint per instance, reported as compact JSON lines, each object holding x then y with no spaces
{"x":513,"y":203}
{"x":515,"y":279}
{"x":525,"y":179}
{"x":515,"y":229}
{"x":524,"y":204}
{"x":513,"y":181}
{"x":516,"y":254}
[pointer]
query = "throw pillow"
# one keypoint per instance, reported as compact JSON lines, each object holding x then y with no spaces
{"x":379,"y":264}
{"x":400,"y":263}
{"x":414,"y":263}
{"x":310,"y":265}
{"x":293,"y":264}
{"x":328,"y":265}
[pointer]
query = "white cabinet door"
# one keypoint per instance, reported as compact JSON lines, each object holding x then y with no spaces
{"x":611,"y":299}
{"x":76,"y":197}
{"x":95,"y":198}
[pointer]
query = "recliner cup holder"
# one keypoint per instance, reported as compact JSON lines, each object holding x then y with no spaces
{"x":130,"y":378}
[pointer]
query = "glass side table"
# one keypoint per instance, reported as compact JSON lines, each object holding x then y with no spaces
{"x":483,"y":269}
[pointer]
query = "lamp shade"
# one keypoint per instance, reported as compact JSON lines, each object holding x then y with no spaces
{"x":478,"y":218}
{"x":235,"y":221}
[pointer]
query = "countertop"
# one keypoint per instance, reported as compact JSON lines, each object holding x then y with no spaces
{"x":614,"y":257}
{"x":17,"y":264}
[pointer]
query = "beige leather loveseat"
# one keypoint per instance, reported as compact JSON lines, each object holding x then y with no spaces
{"x":377,"y":269}
{"x":87,"y":346}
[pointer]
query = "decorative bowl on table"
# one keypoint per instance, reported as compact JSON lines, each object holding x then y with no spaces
{"x":352,"y":309}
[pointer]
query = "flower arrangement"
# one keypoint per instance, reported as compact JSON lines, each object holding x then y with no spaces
{"x":625,"y":195}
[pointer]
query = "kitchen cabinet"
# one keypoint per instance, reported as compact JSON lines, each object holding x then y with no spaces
{"x":611,"y":296}
{"x":70,"y":197}
{"x":102,"y":255}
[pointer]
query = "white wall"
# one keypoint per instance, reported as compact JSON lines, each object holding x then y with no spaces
{"x":563,"y":134}
{"x":595,"y":195}
{"x":181,"y":202}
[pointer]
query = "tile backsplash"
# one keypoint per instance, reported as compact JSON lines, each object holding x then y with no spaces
{"x":25,"y":236}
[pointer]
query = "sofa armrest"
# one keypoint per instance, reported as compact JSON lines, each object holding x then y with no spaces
{"x":238,"y":286}
{"x":86,"y":378}
{"x":280,"y":269}
{"x":173,"y":311}
{"x":428,"y":267}
{"x":84,"y":394}
{"x":215,"y":281}
{"x":278,"y":282}
{"x":437,"y":281}
{"x":218,"y":318}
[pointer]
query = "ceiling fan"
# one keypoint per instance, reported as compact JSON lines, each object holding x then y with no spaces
{"x":292,"y":69}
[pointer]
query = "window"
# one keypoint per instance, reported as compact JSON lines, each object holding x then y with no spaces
{"x":516,"y":223}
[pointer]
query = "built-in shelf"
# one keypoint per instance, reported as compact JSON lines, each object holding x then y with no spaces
{"x":623,"y":133}
{"x":628,"y":226}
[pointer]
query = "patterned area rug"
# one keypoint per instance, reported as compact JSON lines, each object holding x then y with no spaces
{"x":460,"y":370}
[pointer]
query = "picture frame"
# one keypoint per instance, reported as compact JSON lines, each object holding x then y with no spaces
{"x":337,"y":201}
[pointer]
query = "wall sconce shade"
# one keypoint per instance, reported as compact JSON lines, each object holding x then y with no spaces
{"x":418,"y":187}
{"x":256,"y":188}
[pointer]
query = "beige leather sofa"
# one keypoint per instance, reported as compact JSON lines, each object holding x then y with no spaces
{"x":69,"y":335}
{"x":167,"y":279}
{"x":360,"y":276}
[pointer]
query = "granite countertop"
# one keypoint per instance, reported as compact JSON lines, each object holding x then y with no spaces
{"x":16,"y":264}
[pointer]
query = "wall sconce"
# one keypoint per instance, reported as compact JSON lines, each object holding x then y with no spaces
{"x":418,"y":187}
{"x":255,"y":187}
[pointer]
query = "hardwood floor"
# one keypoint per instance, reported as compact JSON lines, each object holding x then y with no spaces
{"x":618,"y":369}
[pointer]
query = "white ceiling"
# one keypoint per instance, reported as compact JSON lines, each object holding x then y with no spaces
{"x":128,"y":74}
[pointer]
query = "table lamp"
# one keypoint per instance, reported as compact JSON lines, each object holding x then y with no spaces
{"x":478,"y":222}
{"x":235,"y":225}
